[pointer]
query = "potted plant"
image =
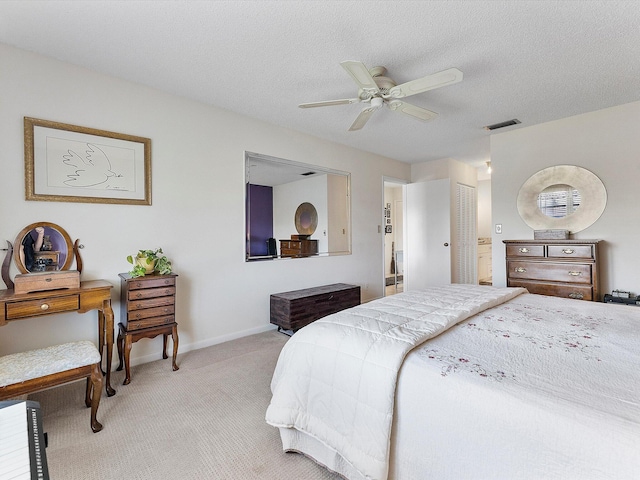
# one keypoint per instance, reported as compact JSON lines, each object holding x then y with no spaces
{"x":149,"y":261}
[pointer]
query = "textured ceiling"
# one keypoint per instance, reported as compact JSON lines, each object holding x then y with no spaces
{"x":532,"y":60}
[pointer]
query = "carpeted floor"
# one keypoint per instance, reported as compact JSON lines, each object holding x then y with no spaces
{"x":205,"y":421}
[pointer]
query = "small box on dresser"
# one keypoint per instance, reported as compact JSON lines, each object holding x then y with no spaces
{"x":298,"y":308}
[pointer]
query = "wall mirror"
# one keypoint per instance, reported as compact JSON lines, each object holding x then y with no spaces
{"x":563,"y":197}
{"x":294,"y":209}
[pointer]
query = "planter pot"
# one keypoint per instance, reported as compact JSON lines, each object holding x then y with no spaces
{"x":148,"y":267}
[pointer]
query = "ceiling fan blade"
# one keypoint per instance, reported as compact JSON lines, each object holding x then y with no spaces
{"x":327,"y":103}
{"x":362,"y":119}
{"x":437,"y":80}
{"x":361,"y":75}
{"x":408,"y":109}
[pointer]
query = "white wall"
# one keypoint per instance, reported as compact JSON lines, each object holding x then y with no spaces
{"x":197,"y":215}
{"x":606,"y":142}
{"x":484,"y":208}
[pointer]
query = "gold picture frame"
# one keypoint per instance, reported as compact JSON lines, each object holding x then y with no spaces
{"x":69,"y":163}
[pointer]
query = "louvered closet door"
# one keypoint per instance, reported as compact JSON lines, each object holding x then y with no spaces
{"x":465,"y":256}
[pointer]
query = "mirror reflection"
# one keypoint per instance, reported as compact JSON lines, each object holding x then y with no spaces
{"x":295,"y":209}
{"x":559,"y":200}
{"x":42,"y":247}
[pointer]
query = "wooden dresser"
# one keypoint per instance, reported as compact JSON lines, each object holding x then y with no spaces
{"x":298,"y":248}
{"x":147,"y":310}
{"x":293,"y":310}
{"x":560,"y":268}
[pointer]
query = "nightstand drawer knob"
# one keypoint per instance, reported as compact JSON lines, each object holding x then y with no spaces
{"x":523,"y":250}
{"x":521,"y":270}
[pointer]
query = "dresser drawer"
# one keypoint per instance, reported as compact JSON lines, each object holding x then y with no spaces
{"x":523,"y":250}
{"x":577,"y":292}
{"x":570,"y":251}
{"x":43,"y":306}
{"x":150,"y":312}
{"x":555,"y":272}
{"x":150,"y":322}
{"x":150,"y":282}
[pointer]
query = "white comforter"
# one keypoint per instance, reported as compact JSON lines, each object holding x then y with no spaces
{"x":335,"y":379}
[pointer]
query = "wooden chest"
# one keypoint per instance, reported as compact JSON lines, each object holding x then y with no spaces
{"x":560,"y":268}
{"x":147,"y":301}
{"x":293,"y":310}
{"x":43,"y":281}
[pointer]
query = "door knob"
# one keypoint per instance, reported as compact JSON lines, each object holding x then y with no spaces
{"x":446,"y":244}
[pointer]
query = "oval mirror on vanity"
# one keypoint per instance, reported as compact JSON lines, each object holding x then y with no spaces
{"x":42,"y":247}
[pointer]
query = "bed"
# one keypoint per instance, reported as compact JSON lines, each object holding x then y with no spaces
{"x":465,"y":382}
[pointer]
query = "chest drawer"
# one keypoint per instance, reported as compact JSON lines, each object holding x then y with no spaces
{"x":31,"y":308}
{"x":570,"y":251}
{"x":151,"y":293}
{"x":525,"y":250}
{"x":558,"y":272}
{"x":151,"y":282}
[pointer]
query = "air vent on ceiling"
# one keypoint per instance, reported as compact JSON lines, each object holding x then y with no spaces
{"x":307,"y":174}
{"x":508,"y":123}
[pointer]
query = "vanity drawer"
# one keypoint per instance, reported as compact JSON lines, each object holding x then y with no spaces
{"x":577,"y":292}
{"x":570,"y":251}
{"x":31,"y":308}
{"x":555,"y":272}
{"x":523,"y":250}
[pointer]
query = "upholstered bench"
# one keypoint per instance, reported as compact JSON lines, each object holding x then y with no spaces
{"x":28,"y":372}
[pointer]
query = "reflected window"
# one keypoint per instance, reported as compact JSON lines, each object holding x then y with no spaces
{"x":558,"y":201}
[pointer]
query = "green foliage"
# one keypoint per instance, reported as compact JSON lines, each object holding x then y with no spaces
{"x":161,"y":263}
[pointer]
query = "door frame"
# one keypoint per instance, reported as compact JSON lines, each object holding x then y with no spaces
{"x":397,"y":181}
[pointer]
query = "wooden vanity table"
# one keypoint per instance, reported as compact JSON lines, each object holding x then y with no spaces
{"x":49,"y":296}
{"x":91,"y":295}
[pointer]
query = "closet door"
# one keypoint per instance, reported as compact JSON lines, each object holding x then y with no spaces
{"x":466,"y":241}
{"x":428,"y":229}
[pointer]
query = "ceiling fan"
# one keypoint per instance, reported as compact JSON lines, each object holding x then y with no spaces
{"x":377,"y":90}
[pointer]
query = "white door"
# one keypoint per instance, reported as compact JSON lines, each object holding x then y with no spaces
{"x":427,"y":251}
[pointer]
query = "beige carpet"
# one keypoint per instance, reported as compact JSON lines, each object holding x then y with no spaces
{"x":205,"y":421}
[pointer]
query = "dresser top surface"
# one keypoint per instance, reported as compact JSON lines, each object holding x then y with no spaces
{"x":336,"y":287}
{"x":551,"y":241}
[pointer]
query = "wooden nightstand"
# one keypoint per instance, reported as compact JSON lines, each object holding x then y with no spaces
{"x":147,"y":310}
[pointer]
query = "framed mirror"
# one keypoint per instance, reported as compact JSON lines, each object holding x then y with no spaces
{"x":42,"y":247}
{"x":294,"y":209}
{"x":563,"y":197}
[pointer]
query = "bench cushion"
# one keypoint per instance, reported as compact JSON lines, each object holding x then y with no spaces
{"x":20,"y":367}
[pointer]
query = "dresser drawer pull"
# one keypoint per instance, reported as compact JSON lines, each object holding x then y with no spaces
{"x":568,"y":251}
{"x":523,"y":250}
{"x":576,"y":295}
{"x":520,"y":270}
{"x":575,"y":274}
{"x":44,"y":306}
